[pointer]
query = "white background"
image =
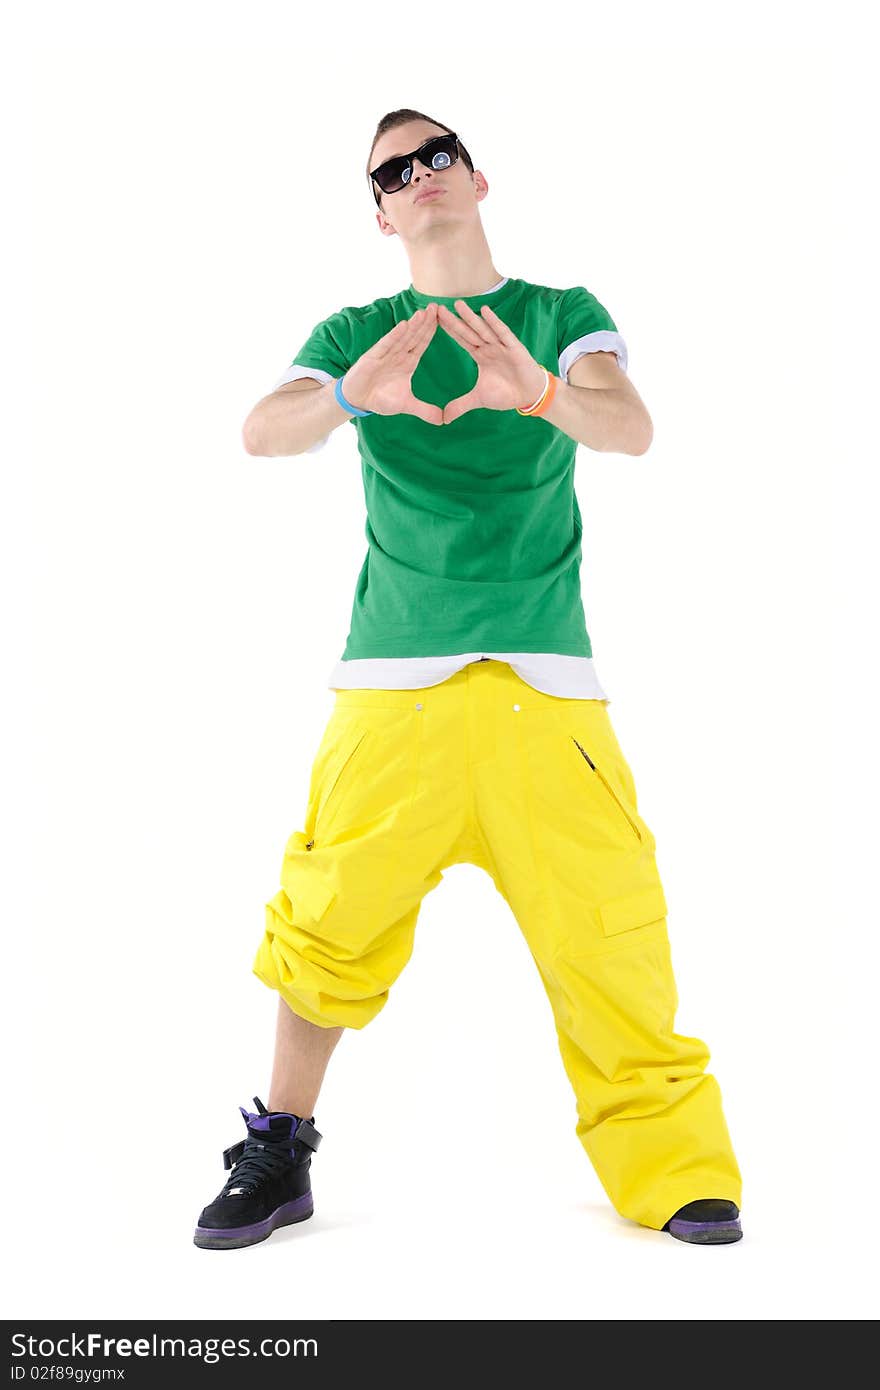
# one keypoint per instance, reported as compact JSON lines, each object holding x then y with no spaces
{"x":189,"y":200}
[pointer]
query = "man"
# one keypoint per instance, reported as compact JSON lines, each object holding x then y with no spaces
{"x":469,"y":724}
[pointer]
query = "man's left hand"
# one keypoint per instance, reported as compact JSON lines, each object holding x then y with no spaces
{"x":509,"y":377}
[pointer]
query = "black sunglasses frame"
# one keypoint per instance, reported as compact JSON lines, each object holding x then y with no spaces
{"x":445,"y":136}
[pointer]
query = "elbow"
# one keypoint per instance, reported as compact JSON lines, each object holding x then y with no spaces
{"x":644,"y":437}
{"x":250,"y":438}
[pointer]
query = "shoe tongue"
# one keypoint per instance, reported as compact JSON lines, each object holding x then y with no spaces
{"x":273,"y":1127}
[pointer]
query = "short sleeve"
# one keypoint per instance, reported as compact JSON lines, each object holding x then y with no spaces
{"x":585,"y":325}
{"x":325,"y":355}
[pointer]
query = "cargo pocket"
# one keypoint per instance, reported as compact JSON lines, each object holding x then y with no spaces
{"x":302,"y":880}
{"x":615,"y":997}
{"x":639,"y":909}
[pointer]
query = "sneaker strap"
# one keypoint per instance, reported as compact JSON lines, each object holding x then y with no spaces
{"x":308,"y":1135}
{"x":305,"y":1134}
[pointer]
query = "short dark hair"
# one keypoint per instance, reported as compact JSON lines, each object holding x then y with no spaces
{"x":403,"y":116}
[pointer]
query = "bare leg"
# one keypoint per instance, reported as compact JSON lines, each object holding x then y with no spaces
{"x":302,"y":1051}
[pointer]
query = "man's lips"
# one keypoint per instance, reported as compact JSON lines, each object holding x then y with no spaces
{"x":429,"y":193}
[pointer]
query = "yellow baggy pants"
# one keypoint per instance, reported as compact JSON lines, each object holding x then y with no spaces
{"x":533,"y":788}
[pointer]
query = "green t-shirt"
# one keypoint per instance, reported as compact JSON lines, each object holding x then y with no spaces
{"x":473,"y":528}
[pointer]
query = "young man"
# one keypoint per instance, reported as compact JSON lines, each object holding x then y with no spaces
{"x":469,"y":724}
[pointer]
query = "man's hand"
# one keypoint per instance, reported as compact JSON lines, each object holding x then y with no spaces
{"x":509,"y":377}
{"x":381,"y":378}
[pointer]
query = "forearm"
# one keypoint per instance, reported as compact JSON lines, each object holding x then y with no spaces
{"x":290,"y":422}
{"x":603,"y":418}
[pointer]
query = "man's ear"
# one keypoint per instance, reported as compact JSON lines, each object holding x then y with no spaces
{"x":384,"y":225}
{"x":481,"y":187}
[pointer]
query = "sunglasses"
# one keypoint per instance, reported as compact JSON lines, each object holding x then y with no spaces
{"x":440,"y":152}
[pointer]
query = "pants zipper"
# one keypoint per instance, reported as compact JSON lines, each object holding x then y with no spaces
{"x":611,"y":792}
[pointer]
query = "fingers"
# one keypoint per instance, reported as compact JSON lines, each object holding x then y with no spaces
{"x":425,"y":327}
{"x":478,"y":347}
{"x":431,"y":414}
{"x":391,"y":340}
{"x":402,"y":337}
{"x":460,"y":406}
{"x":412,"y":335}
{"x":422,"y":331}
{"x":473,"y":329}
{"x":499,"y":327}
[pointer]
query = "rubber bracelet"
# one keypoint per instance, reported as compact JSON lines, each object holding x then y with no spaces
{"x":527,"y":409}
{"x":346,"y":405}
{"x":542,"y":403}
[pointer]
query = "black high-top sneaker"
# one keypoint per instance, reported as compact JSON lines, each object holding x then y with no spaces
{"x":708,"y":1221}
{"x":269,"y":1185}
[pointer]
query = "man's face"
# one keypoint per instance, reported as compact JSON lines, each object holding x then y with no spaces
{"x":454,"y":191}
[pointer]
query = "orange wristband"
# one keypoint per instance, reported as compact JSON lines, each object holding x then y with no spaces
{"x":543,"y":401}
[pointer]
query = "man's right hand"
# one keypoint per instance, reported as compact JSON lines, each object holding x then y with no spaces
{"x":381,"y":379}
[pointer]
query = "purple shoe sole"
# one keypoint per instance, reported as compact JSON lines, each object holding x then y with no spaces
{"x":236,"y":1237}
{"x":705,"y":1232}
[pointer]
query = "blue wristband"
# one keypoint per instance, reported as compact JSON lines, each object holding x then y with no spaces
{"x":346,"y":405}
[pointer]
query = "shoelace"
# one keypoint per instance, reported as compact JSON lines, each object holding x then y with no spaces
{"x":258,"y":1160}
